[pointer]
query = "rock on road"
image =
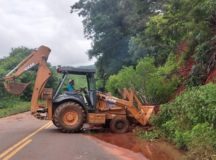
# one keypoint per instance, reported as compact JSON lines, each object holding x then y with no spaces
{"x":22,"y":137}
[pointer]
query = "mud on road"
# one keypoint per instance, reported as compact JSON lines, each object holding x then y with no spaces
{"x":156,"y":150}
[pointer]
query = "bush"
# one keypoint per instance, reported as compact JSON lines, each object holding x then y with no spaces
{"x":124,"y":79}
{"x":190,"y":121}
{"x":152,"y":82}
{"x":147,"y":135}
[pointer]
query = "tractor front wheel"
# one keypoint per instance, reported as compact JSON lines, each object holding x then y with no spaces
{"x":54,"y":122}
{"x":119,"y":125}
{"x":69,"y":117}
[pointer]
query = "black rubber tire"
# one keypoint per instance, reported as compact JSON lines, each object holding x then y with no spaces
{"x":119,"y":125}
{"x":63,"y":109}
{"x":54,"y":122}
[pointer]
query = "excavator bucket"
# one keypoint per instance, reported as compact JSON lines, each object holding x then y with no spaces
{"x":15,"y":88}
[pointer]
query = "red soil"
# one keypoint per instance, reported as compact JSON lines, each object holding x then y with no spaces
{"x":185,"y":70}
{"x":129,"y":147}
{"x":181,"y":48}
{"x":179,"y":90}
{"x":211,"y":77}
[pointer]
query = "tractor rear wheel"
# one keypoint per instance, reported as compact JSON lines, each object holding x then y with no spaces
{"x":69,"y":117}
{"x":119,"y":125}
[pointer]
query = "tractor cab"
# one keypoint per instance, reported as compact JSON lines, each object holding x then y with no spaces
{"x":85,"y":96}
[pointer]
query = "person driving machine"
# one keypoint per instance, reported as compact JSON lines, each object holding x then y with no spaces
{"x":70,"y":86}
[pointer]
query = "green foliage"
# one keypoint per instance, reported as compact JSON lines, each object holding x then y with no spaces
{"x":125,"y":78}
{"x":190,"y":120}
{"x":147,"y":79}
{"x":182,"y":139}
{"x":53,"y":80}
{"x":192,"y":21}
{"x":79,"y":80}
{"x":10,"y":106}
{"x":8,"y":63}
{"x":147,"y":135}
{"x":153,"y":40}
{"x":202,"y":134}
{"x":192,"y":107}
{"x":15,"y":56}
{"x":202,"y":142}
{"x":111,"y":24}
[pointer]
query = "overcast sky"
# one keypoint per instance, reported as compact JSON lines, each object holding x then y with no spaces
{"x":32,"y":23}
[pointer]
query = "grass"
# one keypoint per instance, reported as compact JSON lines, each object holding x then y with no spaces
{"x":146,"y":134}
{"x":9,"y":107}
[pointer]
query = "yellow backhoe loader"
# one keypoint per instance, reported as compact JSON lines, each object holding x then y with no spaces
{"x":70,"y":110}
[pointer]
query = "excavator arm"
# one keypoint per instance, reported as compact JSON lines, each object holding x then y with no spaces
{"x":36,"y":58}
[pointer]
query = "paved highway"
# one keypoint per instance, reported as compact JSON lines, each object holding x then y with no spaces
{"x":22,"y":137}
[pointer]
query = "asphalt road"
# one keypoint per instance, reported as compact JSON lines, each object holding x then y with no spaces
{"x":22,"y":137}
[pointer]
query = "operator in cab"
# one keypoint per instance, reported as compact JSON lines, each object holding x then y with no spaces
{"x":70,"y":86}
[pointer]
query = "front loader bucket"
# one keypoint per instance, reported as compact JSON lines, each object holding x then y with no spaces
{"x":15,"y":87}
{"x":147,"y":112}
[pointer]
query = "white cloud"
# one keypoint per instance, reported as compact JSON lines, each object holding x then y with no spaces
{"x":32,"y":23}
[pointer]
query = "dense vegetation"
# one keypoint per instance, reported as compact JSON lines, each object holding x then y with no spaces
{"x":111,"y":25}
{"x":148,"y":80}
{"x":160,"y":48}
{"x":190,"y":121}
